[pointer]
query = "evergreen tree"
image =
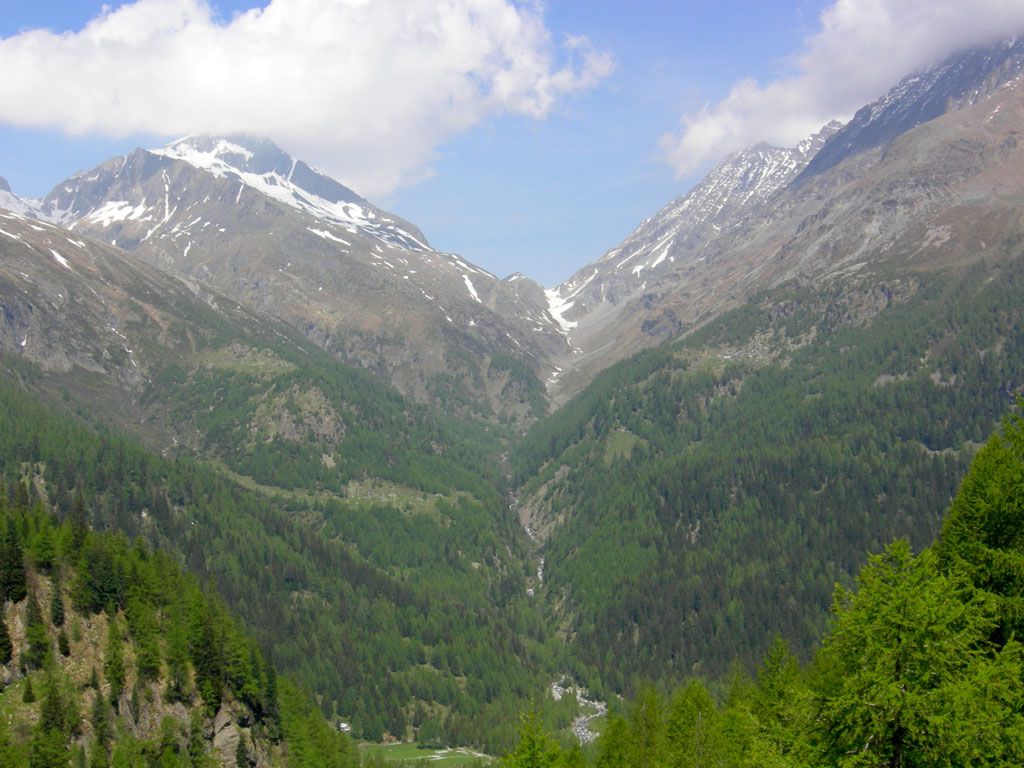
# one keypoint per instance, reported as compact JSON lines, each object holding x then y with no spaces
{"x":910,"y":674}
{"x":613,"y":746}
{"x":28,"y":696}
{"x":52,"y":708}
{"x":48,"y":749}
{"x":38,"y":650}
{"x":79,"y":520}
{"x":13,"y":586}
{"x":145,"y":634}
{"x":207,"y":660}
{"x":57,"y":603}
{"x":113,"y":660}
{"x":63,"y":644}
{"x":646,"y":729}
{"x":6,"y":647}
{"x":101,"y":726}
{"x":177,"y":657}
{"x":241,"y":752}
{"x":536,"y":749}
{"x":196,"y":741}
{"x":983,"y":534}
{"x":43,"y":548}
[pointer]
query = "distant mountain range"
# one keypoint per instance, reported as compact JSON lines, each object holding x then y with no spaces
{"x":243,"y":216}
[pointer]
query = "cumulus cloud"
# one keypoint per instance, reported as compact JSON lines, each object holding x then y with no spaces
{"x":861,"y":49}
{"x":366,"y":90}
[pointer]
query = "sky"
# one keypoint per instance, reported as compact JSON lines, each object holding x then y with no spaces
{"x":526,"y":136}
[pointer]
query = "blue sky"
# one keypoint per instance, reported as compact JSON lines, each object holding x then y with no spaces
{"x":513,"y":192}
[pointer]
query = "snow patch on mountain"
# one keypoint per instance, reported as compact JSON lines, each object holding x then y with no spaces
{"x":267,"y":169}
{"x":557,"y":307}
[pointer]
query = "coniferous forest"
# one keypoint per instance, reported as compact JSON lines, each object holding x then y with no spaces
{"x":920,"y":664}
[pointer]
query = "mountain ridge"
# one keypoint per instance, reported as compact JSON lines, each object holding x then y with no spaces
{"x":265,"y":228}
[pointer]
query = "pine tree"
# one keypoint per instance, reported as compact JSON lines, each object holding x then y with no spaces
{"x":38,"y":650}
{"x":51,"y":710}
{"x":79,"y":521}
{"x":536,"y":749}
{"x":113,"y":660}
{"x":57,"y":603}
{"x":63,"y":644}
{"x":48,"y":750}
{"x":28,"y":696}
{"x":13,"y":585}
{"x":196,"y":741}
{"x":100,"y":719}
{"x":208,"y":661}
{"x":6,"y":647}
{"x":176,"y":655}
{"x":241,"y":753}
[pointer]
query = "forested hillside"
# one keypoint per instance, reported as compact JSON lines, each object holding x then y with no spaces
{"x":704,"y":496}
{"x":920,"y":666}
{"x":111,"y":656}
{"x":406,"y":611}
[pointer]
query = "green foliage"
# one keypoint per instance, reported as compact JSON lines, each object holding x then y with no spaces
{"x":56,"y":598}
{"x":377,"y":606}
{"x":312,"y":742}
{"x":113,"y":661}
{"x":47,"y":749}
{"x":38,"y":651}
{"x":983,"y":534}
{"x":6,"y":647}
{"x":769,"y":451}
{"x":157,"y":604}
{"x":12,"y":565}
{"x":535,"y":749}
{"x":910,"y":677}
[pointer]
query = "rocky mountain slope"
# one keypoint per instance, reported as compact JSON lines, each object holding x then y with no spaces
{"x":960,"y":80}
{"x":764,"y":216}
{"x":188,"y":369}
{"x":242,"y":216}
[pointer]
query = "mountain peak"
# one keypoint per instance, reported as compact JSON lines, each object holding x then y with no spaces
{"x":258,"y":162}
{"x":959,"y":80}
{"x":4,"y":186}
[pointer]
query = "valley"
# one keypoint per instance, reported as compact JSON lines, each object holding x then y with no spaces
{"x":639,"y":513}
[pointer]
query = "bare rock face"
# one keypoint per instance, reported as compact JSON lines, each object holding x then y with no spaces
{"x":226,"y":735}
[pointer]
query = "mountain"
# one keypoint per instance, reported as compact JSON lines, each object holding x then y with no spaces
{"x":676,"y":240}
{"x":11,"y":202}
{"x":961,"y":79}
{"x":346,"y":524}
{"x":877,"y":198}
{"x":840,"y":352}
{"x":242,"y":216}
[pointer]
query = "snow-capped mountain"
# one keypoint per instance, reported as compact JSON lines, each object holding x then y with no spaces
{"x":959,"y":80}
{"x":243,"y":216}
{"x":11,"y":202}
{"x":677,"y":237}
{"x":893,"y":193}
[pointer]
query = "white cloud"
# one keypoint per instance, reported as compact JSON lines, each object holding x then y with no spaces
{"x":862,"y":48}
{"x":366,"y":90}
